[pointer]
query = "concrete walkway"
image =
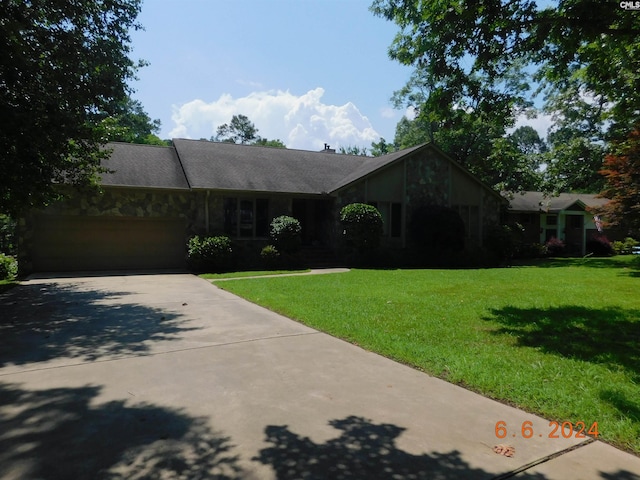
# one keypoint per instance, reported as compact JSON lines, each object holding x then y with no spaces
{"x":168,"y":376}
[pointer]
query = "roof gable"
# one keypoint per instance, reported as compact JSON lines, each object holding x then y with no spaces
{"x":541,"y":202}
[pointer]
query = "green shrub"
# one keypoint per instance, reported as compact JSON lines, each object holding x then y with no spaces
{"x":499,"y":241}
{"x":7,"y":235}
{"x":285,"y":233}
{"x":8,"y":267}
{"x":362,"y":225}
{"x":210,"y":254}
{"x":437,"y":228}
{"x":624,"y":247}
{"x":270,"y":256}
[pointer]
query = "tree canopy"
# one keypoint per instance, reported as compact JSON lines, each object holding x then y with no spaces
{"x":622,"y":175}
{"x":479,"y":65}
{"x":242,"y":130}
{"x":131,"y":124}
{"x":64,"y":69}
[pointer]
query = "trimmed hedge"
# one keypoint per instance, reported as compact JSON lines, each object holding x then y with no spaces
{"x":209,"y":254}
{"x":362,"y":225}
{"x":285,"y":233}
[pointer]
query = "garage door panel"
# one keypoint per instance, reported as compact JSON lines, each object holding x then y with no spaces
{"x":106,"y":243}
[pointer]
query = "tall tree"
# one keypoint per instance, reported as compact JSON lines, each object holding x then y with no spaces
{"x":381,"y":148}
{"x":64,"y":66}
{"x":622,"y":175}
{"x":239,"y":130}
{"x":132,"y":125}
{"x":488,"y":51}
{"x":353,"y":150}
{"x":277,"y":143}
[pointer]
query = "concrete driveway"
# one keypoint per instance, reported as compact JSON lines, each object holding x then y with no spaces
{"x":167,"y":376}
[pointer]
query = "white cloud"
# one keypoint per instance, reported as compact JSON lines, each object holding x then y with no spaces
{"x":303,"y":122}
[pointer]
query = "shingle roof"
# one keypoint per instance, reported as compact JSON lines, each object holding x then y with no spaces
{"x":225,"y":166}
{"x":200,"y":164}
{"x":539,"y":202}
{"x":143,"y":166}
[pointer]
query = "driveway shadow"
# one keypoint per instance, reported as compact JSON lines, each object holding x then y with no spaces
{"x":363,"y":450}
{"x":60,"y":433}
{"x":43,"y":321}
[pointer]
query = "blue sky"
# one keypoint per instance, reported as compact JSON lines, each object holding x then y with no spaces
{"x":304,"y":71}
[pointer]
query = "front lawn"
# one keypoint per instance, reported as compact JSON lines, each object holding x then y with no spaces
{"x":560,"y":338}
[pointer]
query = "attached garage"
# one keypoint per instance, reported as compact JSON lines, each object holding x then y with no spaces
{"x":74,"y":243}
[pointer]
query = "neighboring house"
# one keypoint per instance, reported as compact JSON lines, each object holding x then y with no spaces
{"x":155,"y":198}
{"x":567,"y":217}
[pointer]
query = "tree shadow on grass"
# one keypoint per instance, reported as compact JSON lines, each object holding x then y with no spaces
{"x":60,"y":433}
{"x":363,"y":450}
{"x":609,"y":336}
{"x":624,"y":265}
{"x":43,"y":321}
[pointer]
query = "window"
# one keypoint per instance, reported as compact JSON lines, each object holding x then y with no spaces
{"x":575,"y":221}
{"x":552,"y":219}
{"x":246,"y":218}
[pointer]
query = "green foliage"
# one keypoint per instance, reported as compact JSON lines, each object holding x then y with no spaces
{"x":263,"y":142}
{"x":239,"y":130}
{"x":8,"y":267}
{"x":210,"y":254}
{"x":474,"y":63}
{"x":437,"y":229}
{"x":270,"y":256}
{"x":362,"y":225}
{"x":624,"y":247}
{"x":65,"y":67}
{"x":285,"y":233}
{"x":8,"y":241}
{"x":381,"y":148}
{"x":353,"y":150}
{"x":131,"y":124}
{"x":501,"y":241}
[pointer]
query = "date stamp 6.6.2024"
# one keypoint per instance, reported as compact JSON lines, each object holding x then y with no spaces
{"x":554,"y":430}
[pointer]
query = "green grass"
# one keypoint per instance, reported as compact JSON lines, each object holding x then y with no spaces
{"x":218,"y":276}
{"x":560,"y":338}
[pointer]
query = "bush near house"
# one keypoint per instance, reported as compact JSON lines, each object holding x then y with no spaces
{"x":270,"y":256}
{"x":362,"y":225}
{"x":211,"y":254}
{"x":624,"y":247}
{"x":8,"y":267}
{"x":285,"y":233}
{"x":555,"y":247}
{"x":599,"y":246}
